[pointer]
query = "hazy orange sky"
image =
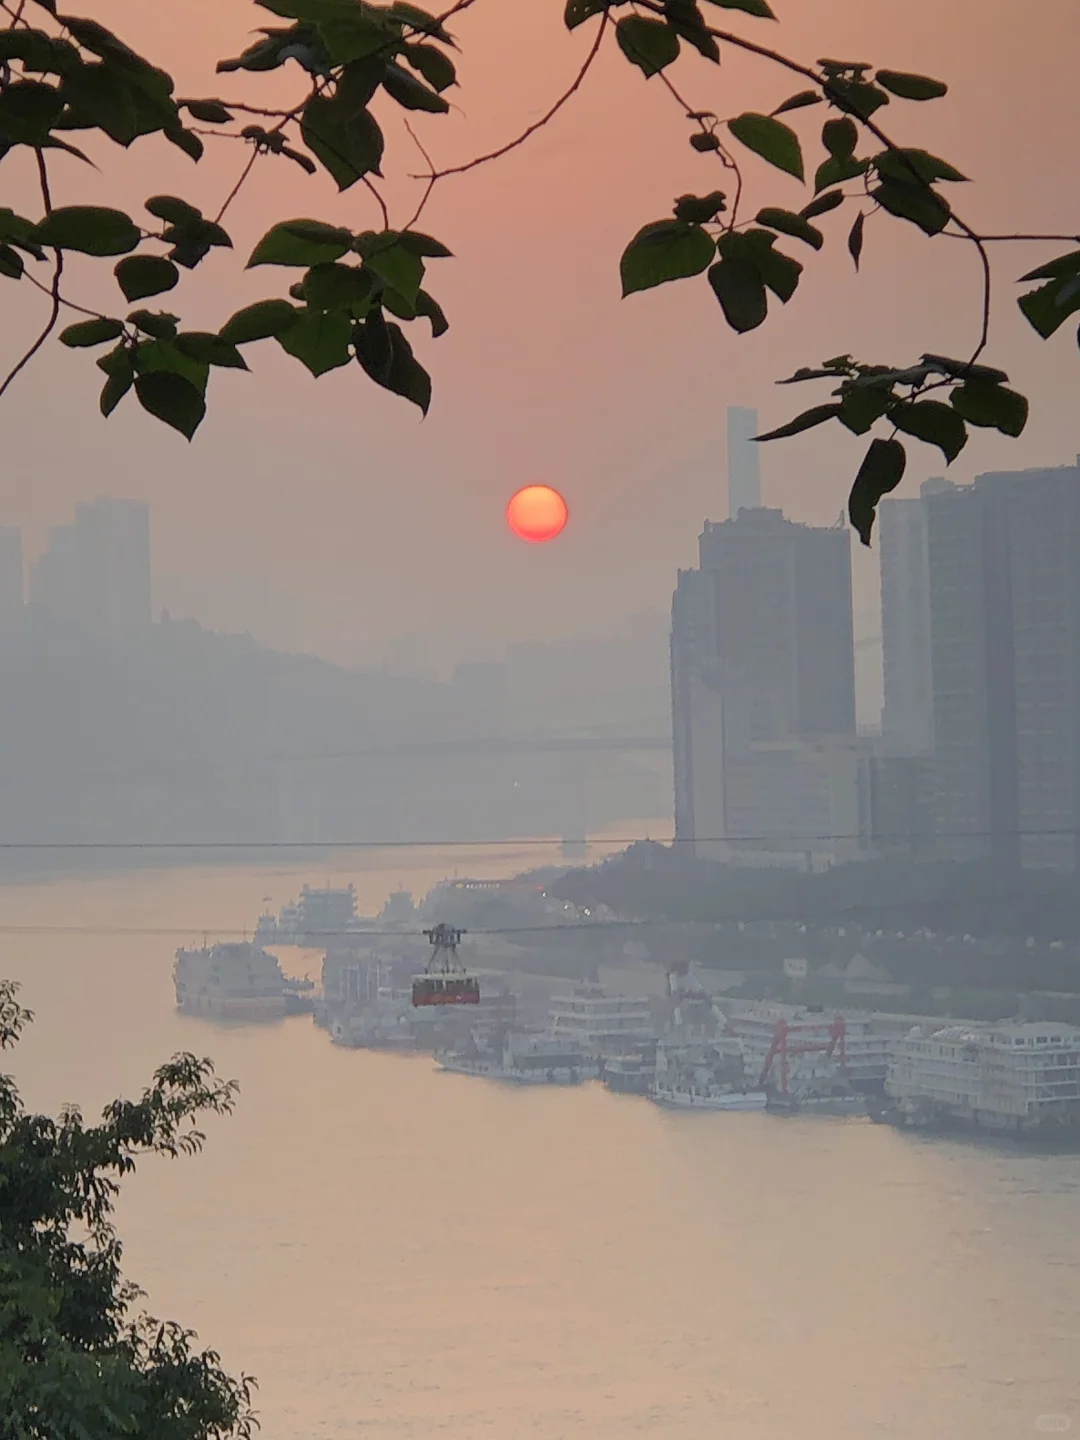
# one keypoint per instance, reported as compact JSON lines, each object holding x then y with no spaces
{"x":381,"y":524}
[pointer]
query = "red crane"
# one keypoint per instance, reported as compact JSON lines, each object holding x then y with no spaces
{"x":783,"y":1047}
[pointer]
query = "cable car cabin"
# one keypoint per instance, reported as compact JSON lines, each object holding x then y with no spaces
{"x":446,"y":990}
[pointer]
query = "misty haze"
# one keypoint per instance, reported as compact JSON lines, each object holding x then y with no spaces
{"x":566,"y":848}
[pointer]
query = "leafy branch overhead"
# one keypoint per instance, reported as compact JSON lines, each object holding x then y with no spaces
{"x":66,"y":78}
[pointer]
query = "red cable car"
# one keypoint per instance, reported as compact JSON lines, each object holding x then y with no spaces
{"x":445,"y":981}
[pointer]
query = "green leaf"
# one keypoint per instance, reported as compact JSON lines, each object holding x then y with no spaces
{"x":419,"y":20}
{"x":911,"y":87}
{"x":855,"y":239}
{"x":11,"y":263}
{"x":806,"y":421}
{"x":90,"y":229}
{"x":840,"y":137}
{"x":665,"y":250}
{"x":965,"y":369}
{"x":798,"y":102}
{"x":115,"y":388}
{"x":834,"y":172}
{"x":790,"y":224}
{"x":700,"y":209}
{"x":1051,"y":304}
{"x":397,"y":266}
{"x":91,"y":332}
{"x":210,"y":112}
{"x":142,"y":275}
{"x":172,"y":210}
{"x":578,"y":11}
{"x":777,"y":270}
{"x":704,"y":141}
{"x":184,"y":140}
{"x":210,"y":349}
{"x":880,"y":473}
{"x":319,"y":341}
{"x":932,"y":422}
{"x":905,"y":166}
{"x":28,"y":111}
{"x":738,"y":286}
{"x":649,"y":44}
{"x":771,"y":139}
{"x":159,"y":324}
{"x":100,"y":96}
{"x":347,"y":143}
{"x":169,"y":397}
{"x":1064,"y":265}
{"x":822,"y":205}
{"x":418,"y":244}
{"x":991,"y":407}
{"x":301,"y":242}
{"x":387,"y":357}
{"x":863,"y":405}
{"x":433,"y":64}
{"x":758,"y":8}
{"x":923,"y":207}
{"x":335,"y":287}
{"x":357,"y":35}
{"x":264,"y":320}
{"x":860,"y":97}
{"x":18,"y":230}
{"x":432,"y":311}
{"x":37,"y":51}
{"x":410,"y":92}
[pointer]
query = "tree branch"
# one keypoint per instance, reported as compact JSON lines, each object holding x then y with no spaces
{"x":54,"y":291}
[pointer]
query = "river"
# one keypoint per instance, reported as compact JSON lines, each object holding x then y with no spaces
{"x":401,"y":1253}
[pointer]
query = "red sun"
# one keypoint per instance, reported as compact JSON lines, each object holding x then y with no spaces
{"x":537,"y":513}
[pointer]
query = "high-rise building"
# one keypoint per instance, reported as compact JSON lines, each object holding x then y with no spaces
{"x":763,"y":688}
{"x":1004,"y":570}
{"x":744,"y":471}
{"x":907,"y":720}
{"x":96,"y":571}
{"x":11,"y":570}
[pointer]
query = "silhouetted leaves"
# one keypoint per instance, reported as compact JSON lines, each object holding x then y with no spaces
{"x":261,"y":321}
{"x":932,"y":422}
{"x":855,"y":239}
{"x":771,"y":139}
{"x":1051,"y":304}
{"x":789,"y":223}
{"x":91,"y":229}
{"x":991,"y":406}
{"x":649,"y":44}
{"x":665,"y":250}
{"x":172,"y":399}
{"x":320,"y":341}
{"x":91,"y":332}
{"x":880,"y":472}
{"x":911,"y":87}
{"x":348,"y":143}
{"x":817,"y":415}
{"x":141,"y":275}
{"x":301,"y":242}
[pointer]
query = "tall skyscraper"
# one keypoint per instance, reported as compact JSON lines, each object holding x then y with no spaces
{"x":96,"y":571}
{"x":763,"y":686}
{"x":1004,"y":568}
{"x":744,"y":471}
{"x":11,"y":570}
{"x":907,"y":720}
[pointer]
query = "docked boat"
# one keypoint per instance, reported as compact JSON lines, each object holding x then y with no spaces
{"x":235,"y":981}
{"x":1017,"y":1077}
{"x":704,"y":1074}
{"x":707,"y":1097}
{"x":630,"y":1074}
{"x":600,"y":1024}
{"x":523,"y":1059}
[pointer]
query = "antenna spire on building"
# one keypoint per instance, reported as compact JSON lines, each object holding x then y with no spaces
{"x":744,"y":474}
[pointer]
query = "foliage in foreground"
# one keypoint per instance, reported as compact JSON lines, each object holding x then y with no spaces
{"x":64,"y":75}
{"x":75,"y":1363}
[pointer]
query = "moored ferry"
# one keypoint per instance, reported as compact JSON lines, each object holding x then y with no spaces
{"x":235,"y":981}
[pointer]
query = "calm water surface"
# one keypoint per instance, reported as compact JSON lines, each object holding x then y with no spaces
{"x":400,"y":1253}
